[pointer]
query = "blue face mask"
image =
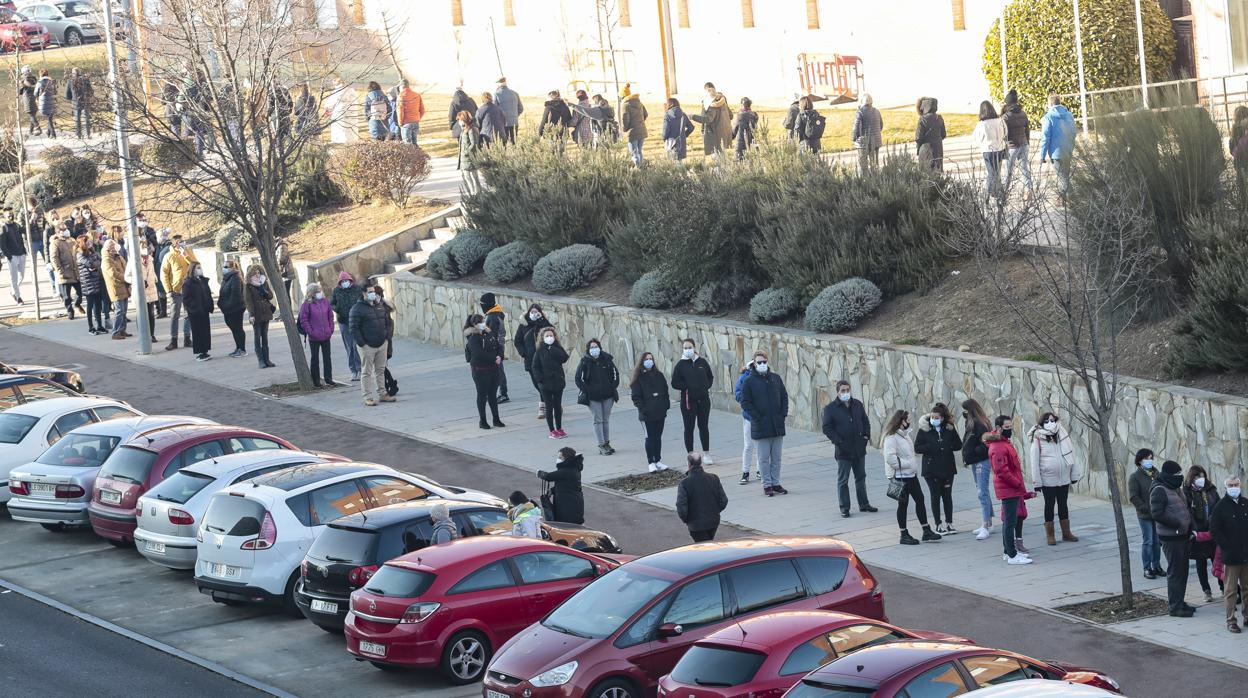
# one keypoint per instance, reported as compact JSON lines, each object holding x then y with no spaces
{"x":595,"y":352}
{"x":844,"y":397}
{"x":345,"y":284}
{"x":372,"y":297}
{"x":647,"y":364}
{"x":1147,"y":464}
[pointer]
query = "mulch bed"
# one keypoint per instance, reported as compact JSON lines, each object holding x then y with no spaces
{"x":1109,"y":610}
{"x":643,"y":482}
{"x":288,"y":390}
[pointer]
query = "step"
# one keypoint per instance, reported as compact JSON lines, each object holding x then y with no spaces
{"x":443,"y":233}
{"x":456,"y":222}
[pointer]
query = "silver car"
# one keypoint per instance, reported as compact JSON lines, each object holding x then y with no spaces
{"x":170,"y":513}
{"x":63,"y":29}
{"x":61,"y":481}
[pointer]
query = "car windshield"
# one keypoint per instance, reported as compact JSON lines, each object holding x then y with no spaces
{"x":717,"y":666}
{"x":15,"y":427}
{"x":399,"y":582}
{"x":129,"y":464}
{"x":80,"y":450}
{"x":605,"y":604}
{"x":180,"y":486}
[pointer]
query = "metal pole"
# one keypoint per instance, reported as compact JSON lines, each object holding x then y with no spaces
{"x":1139,"y":36}
{"x":21,"y":179}
{"x":1005,"y":74}
{"x":1083,"y":88}
{"x":127,"y":187}
{"x":669,"y":53}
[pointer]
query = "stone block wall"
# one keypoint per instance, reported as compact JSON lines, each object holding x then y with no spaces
{"x":1182,"y":424}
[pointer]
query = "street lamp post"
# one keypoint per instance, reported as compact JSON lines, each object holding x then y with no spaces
{"x":1139,"y":36}
{"x":1083,"y":88}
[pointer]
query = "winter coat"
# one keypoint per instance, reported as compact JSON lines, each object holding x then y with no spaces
{"x":598,"y":378}
{"x":700,"y":497}
{"x":1200,"y":504}
{"x":460,"y":102}
{"x":676,"y":129}
{"x":259,"y":301}
{"x":693,"y":378}
{"x":285,"y":268}
{"x":804,"y":117}
{"x":317,"y":319}
{"x":230,"y":297}
{"x":80,"y":92}
{"x":12,"y":242}
{"x":557,"y":116}
{"x":1139,"y":485}
{"x":716,"y":120}
{"x":868,"y":132}
{"x":929,"y":135}
{"x":148,"y":273}
{"x":547,"y":366}
{"x":650,"y":396}
{"x":937,"y":447}
{"x":899,"y":458}
{"x":197,"y":296}
{"x":989,"y":136}
{"x":411,"y":107}
{"x":1229,"y":526}
{"x":65,"y":260}
{"x":1017,"y":128}
{"x":633,"y":122}
{"x":1051,"y":457}
{"x":342,"y":300}
{"x":1169,"y":508}
{"x":973,"y":448}
{"x":744,"y":126}
{"x":582,"y":124}
{"x":736,"y":390}
{"x":569,"y":498}
{"x":1057,"y":134}
{"x":847,"y":426}
{"x":27,"y":92}
{"x":45,"y":96}
{"x":526,"y":520}
{"x":480,"y":349}
{"x":444,"y":531}
{"x":764,"y":397}
{"x":369,"y":323}
{"x":377,"y":106}
{"x":175,"y":268}
{"x":525,"y":339}
{"x":1007,"y":470}
{"x":490,"y":120}
{"x":113,"y":269}
{"x":790,"y":118}
{"x":509,"y":102}
{"x":599,"y":117}
{"x":469,"y":144}
{"x":89,"y":272}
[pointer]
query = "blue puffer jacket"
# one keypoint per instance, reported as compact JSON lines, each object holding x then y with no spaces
{"x":1057,"y":134}
{"x":767,"y":401}
{"x":745,"y":373}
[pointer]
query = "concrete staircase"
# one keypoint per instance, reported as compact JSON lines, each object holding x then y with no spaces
{"x":415,"y":259}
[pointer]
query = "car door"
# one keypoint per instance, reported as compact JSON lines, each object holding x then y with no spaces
{"x":388,"y":489}
{"x":699,"y":607}
{"x":483,"y":522}
{"x":489,"y":595}
{"x":50,"y":18}
{"x":548,"y":578}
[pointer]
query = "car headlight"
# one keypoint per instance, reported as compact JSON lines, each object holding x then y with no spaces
{"x":88,"y":26}
{"x":555,"y":677}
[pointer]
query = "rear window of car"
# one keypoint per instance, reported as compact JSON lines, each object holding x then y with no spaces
{"x":181,"y":486}
{"x":129,"y":464}
{"x":80,"y":450}
{"x":345,"y":545}
{"x":816,"y":689}
{"x":234,"y":516}
{"x":717,"y":666}
{"x":15,"y":427}
{"x":823,"y":574}
{"x":396,"y":581}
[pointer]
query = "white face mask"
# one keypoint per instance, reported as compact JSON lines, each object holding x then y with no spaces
{"x":1232,"y":492}
{"x":1199,"y":482}
{"x":549,"y":339}
{"x":258,"y":280}
{"x":1051,"y":425}
{"x":481,"y":326}
{"x":844,"y":396}
{"x":761,"y":367}
{"x":935,"y":421}
{"x":687,"y":353}
{"x":345,"y":284}
{"x":320,"y":296}
{"x":198,"y":272}
{"x":595,"y":352}
{"x":535,"y":316}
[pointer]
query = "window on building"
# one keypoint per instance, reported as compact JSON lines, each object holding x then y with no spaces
{"x":626,"y":16}
{"x":457,"y":12}
{"x":959,"y":15}
{"x":509,"y":13}
{"x":812,"y":14}
{"x":357,"y":12}
{"x":682,"y":13}
{"x":747,"y":14}
{"x":1237,"y":18}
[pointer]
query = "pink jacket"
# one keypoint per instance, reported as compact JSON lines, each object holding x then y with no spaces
{"x":1007,"y":470}
{"x":317,"y":318}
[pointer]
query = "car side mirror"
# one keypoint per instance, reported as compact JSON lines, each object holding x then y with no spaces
{"x":670,"y":630}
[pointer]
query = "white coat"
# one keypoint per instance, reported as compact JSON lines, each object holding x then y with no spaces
{"x":989,"y":136}
{"x":899,"y":458}
{"x":1052,"y":463}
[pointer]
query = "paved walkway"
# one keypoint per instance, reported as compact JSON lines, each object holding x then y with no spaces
{"x":435,"y":404}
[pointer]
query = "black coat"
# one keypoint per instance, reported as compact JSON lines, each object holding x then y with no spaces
{"x":480,"y":349}
{"x":197,"y":296}
{"x":846,"y":425}
{"x":498,"y":329}
{"x":650,"y":396}
{"x":598,"y":378}
{"x":1229,"y":526}
{"x":1201,"y":508}
{"x":12,"y":243}
{"x":547,"y":367}
{"x":556,"y":115}
{"x":525,"y":340}
{"x":369,"y":323}
{"x":974,"y":450}
{"x":89,"y":272}
{"x":461,"y":102}
{"x":1017,"y":130}
{"x":569,"y":499}
{"x":765,"y":399}
{"x":692,"y":378}
{"x":230,"y":300}
{"x":937,"y":447}
{"x":699,"y":499}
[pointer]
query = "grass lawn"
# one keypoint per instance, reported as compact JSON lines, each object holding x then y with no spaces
{"x":58,"y":62}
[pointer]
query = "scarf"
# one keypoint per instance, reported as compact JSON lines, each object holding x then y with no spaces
{"x":496,"y":309}
{"x":1172,"y":480}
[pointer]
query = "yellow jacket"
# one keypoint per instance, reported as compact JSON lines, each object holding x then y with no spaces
{"x":114,"y":269}
{"x":175,"y":268}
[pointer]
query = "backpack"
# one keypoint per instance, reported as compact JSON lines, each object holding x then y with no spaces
{"x":815,"y":124}
{"x":379,"y":110}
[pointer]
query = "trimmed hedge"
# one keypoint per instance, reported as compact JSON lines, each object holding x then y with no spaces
{"x":842,"y":306}
{"x":72,"y":176}
{"x":774,"y":304}
{"x":568,"y":268}
{"x":511,"y":262}
{"x":657,"y":289}
{"x":459,"y":256}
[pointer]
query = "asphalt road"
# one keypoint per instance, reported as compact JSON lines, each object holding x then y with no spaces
{"x":1144,"y":669}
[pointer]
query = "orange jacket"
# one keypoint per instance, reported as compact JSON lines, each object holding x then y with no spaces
{"x":411,"y":106}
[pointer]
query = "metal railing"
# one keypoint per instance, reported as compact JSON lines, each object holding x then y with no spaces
{"x":1220,"y":95}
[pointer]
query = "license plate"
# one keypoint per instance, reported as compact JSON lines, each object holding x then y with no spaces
{"x":325,"y":607}
{"x":36,"y":42}
{"x":217,"y":569}
{"x":152,"y":546}
{"x":110,"y":497}
{"x":41,"y":489}
{"x":495,"y":694}
{"x":373,"y":648}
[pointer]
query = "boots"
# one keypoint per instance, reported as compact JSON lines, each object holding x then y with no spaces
{"x":907,"y":539}
{"x":494,"y":413}
{"x":1066,"y":534}
{"x":1018,"y":545}
{"x":1048,"y":533}
{"x":930,"y":536}
{"x":173,"y":343}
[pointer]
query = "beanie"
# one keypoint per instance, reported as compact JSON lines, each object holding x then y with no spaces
{"x":487,"y":300}
{"x":1171,"y":468}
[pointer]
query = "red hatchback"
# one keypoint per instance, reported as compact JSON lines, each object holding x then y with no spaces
{"x":616,"y":637}
{"x":149,"y":458}
{"x":933,"y":669}
{"x":764,"y":656}
{"x":450,"y":605}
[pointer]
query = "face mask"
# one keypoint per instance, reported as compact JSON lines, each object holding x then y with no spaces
{"x":345,"y":284}
{"x":320,"y":296}
{"x":257,"y":281}
{"x":647,"y":364}
{"x":535,"y":316}
{"x":1147,"y":464}
{"x":1232,"y":492}
{"x":935,"y":421}
{"x":905,"y":426}
{"x":372,"y":297}
{"x":1007,"y":433}
{"x":1199,"y":482}
{"x":198,"y":272}
{"x":1051,"y":426}
{"x":595,"y":352}
{"x":844,"y":397}
{"x":143,"y":251}
{"x":481,"y":326}
{"x":549,"y":339}
{"x":761,"y":367}
{"x":687,"y":353}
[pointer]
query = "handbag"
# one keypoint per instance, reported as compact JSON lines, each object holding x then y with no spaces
{"x":582,"y":398}
{"x":895,"y":489}
{"x":1203,"y":536}
{"x":548,"y":503}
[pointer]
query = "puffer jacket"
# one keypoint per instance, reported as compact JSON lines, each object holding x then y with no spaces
{"x":317,"y":318}
{"x":89,"y":272}
{"x":1169,"y":508}
{"x":113,"y":268}
{"x":868,"y":128}
{"x":64,"y":260}
{"x":480,"y":349}
{"x":1017,"y":128}
{"x":526,"y":520}
{"x":937,"y":447}
{"x":369,"y":323}
{"x":344,"y":299}
{"x":633,"y":122}
{"x":45,"y":96}
{"x":1051,"y":457}
{"x":598,"y":378}
{"x":899,"y":458}
{"x":548,"y":363}
{"x":929,"y":135}
{"x":569,"y":498}
{"x":650,"y":396}
{"x":444,"y":531}
{"x":765,"y":398}
{"x":230,"y":299}
{"x":1007,"y":470}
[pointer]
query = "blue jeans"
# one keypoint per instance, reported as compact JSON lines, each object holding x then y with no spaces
{"x":1150,"y":549}
{"x":353,"y":352}
{"x":378,"y":129}
{"x":634,"y":150}
{"x":410,"y":131}
{"x":1018,"y":157}
{"x":119,"y":316}
{"x":992,"y":173}
{"x":82,"y":121}
{"x":983,"y":483}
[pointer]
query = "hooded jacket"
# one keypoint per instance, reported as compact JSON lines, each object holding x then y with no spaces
{"x":899,"y":458}
{"x":490,"y":120}
{"x":444,"y":531}
{"x":89,"y":272}
{"x":1229,"y":526}
{"x":744,"y":124}
{"x":868,"y":132}
{"x":1139,"y":485}
{"x":716,"y":120}
{"x":480,"y":349}
{"x":847,"y":426}
{"x":45,"y":95}
{"x":317,"y":318}
{"x":700,"y":498}
{"x":1169,"y":508}
{"x":230,"y":298}
{"x":937,"y":446}
{"x":547,"y":367}
{"x":1017,"y":128}
{"x":556,"y":115}
{"x":1051,"y":457}
{"x":650,"y":396}
{"x":114,"y":272}
{"x":693,"y":378}
{"x":64,"y":260}
{"x":929,"y":135}
{"x":343,"y":299}
{"x":764,"y":397}
{"x":598,"y":378}
{"x":569,"y":498}
{"x":525,"y":339}
{"x":526,"y":520}
{"x":633,"y":122}
{"x":197,"y":296}
{"x":676,"y":129}
{"x":494,"y":319}
{"x":460,"y":102}
{"x":1057,"y":134}
{"x":509,"y":104}
{"x":1007,"y":470}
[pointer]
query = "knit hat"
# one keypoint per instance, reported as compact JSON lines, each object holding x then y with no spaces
{"x":627,"y":90}
{"x":1171,"y":468}
{"x":488,"y":300}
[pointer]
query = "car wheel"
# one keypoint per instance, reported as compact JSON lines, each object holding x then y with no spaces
{"x":465,"y":657}
{"x":615,"y":688}
{"x":289,"y":607}
{"x":57,"y":528}
{"x":119,"y":543}
{"x":73,"y":37}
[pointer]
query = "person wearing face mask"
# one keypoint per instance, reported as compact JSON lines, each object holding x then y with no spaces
{"x":599,"y":380}
{"x":937,"y":440}
{"x":652,"y":400}
{"x":1054,"y":469}
{"x":1174,"y":528}
{"x":258,"y":299}
{"x":693,"y":377}
{"x":749,"y":454}
{"x":1229,"y":526}
{"x":700,"y":498}
{"x":146,"y":274}
{"x":88,"y":262}
{"x":569,"y":504}
{"x":495,"y":318}
{"x":900,"y":464}
{"x":846,"y":425}
{"x":975,"y":457}
{"x":764,"y":397}
{"x":13,"y":247}
{"x":481,"y":353}
{"x":113,"y":269}
{"x":1007,"y":481}
{"x":547,"y":370}
{"x":1202,"y":497}
{"x":346,"y":294}
{"x":174,"y":271}
{"x":65,"y":266}
{"x":161,"y":248}
{"x":368,"y":323}
{"x":1139,"y":485}
{"x":197,"y":297}
{"x":526,"y":341}
{"x":316,"y":317}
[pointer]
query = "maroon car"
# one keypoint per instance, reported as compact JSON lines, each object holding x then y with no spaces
{"x":933,"y":669}
{"x":17,"y":32}
{"x":764,"y":656}
{"x":616,"y":637}
{"x":149,"y":458}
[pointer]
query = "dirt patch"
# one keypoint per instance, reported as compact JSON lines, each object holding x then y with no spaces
{"x":15,"y":321}
{"x":166,"y":206}
{"x":643,"y":482}
{"x":335,"y":229}
{"x":1110,"y":610}
{"x":282,"y":390}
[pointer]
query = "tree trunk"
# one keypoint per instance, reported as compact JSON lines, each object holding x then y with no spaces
{"x":1115,"y":498}
{"x":288,"y":314}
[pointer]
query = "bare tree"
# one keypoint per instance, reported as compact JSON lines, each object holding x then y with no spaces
{"x":225,"y":68}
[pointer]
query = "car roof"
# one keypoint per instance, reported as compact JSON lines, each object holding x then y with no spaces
{"x":59,"y":405}
{"x":881,"y":662}
{"x":435,"y":557}
{"x":223,"y":465}
{"x":22,"y":378}
{"x":160,"y":439}
{"x":783,"y":627}
{"x":692,"y":559}
{"x":127,"y":426}
{"x":298,"y":477}
{"x":391,"y":514}
{"x":1038,"y":688}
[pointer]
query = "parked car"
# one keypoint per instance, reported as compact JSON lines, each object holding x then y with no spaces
{"x":934,"y":669}
{"x":351,"y":549}
{"x":616,"y":637}
{"x":56,"y":487}
{"x":767,"y":654}
{"x":1040,"y":688}
{"x":254,"y":536}
{"x":87,"y":11}
{"x":18,"y":32}
{"x":147,"y":459}
{"x":168,"y":515}
{"x":449,"y":605}
{"x":63,"y":29}
{"x":20,"y":389}
{"x":64,"y":376}
{"x":28,"y":430}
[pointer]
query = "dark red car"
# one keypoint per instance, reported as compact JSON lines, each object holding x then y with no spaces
{"x":149,"y":458}
{"x":450,"y":605}
{"x":933,"y":669}
{"x":18,"y":32}
{"x":616,"y":637}
{"x":764,"y":656}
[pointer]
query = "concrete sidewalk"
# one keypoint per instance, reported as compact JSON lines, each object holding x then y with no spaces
{"x":436,"y":404}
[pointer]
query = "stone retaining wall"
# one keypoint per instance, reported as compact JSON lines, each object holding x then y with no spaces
{"x":1182,"y":424}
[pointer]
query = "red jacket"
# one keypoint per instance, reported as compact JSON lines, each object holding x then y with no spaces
{"x":1007,"y":471}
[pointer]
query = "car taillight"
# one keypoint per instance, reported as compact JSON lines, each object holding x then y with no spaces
{"x":268,"y":535}
{"x":180,"y":518}
{"x":419,"y":611}
{"x":69,"y":491}
{"x":360,"y":575}
{"x":19,"y":487}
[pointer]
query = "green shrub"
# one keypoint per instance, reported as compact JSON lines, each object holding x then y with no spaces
{"x":371,"y":170}
{"x":459,"y":256}
{"x":842,"y":306}
{"x":53,"y":153}
{"x":233,"y":239}
{"x":511,"y":262}
{"x":72,"y":176}
{"x":1214,"y":331}
{"x":162,"y":159}
{"x":9,"y":150}
{"x":718,"y":296}
{"x":107,"y":157}
{"x":9,"y":180}
{"x":662,"y":205}
{"x":37,"y":187}
{"x":310,"y":185}
{"x":568,"y":268}
{"x":657,"y":289}
{"x":774,"y":304}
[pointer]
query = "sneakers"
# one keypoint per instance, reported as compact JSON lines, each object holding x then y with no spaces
{"x":1019,"y":559}
{"x":778,"y":489}
{"x":930,"y":536}
{"x":706,"y":459}
{"x":355,"y":376}
{"x":1232,"y":626}
{"x":1149,"y":574}
{"x":173,"y":343}
{"x":237,"y":353}
{"x":203,"y":357}
{"x":562,"y":434}
{"x":844,"y":513}
{"x":949,"y":529}
{"x":940,"y":528}
{"x":868,"y":509}
{"x":1208,"y":596}
{"x":555,"y":435}
{"x":745,"y":479}
{"x":608,"y":450}
{"x":769,"y":491}
{"x":654,"y":467}
{"x":369,"y":402}
{"x":907,"y":539}
{"x":1182,"y":613}
{"x":981,"y":533}
{"x":483,"y":424}
{"x":541,"y":413}
{"x":499,"y":423}
{"x":660,"y":465}
{"x":386,"y":398}
{"x":502,"y":399}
